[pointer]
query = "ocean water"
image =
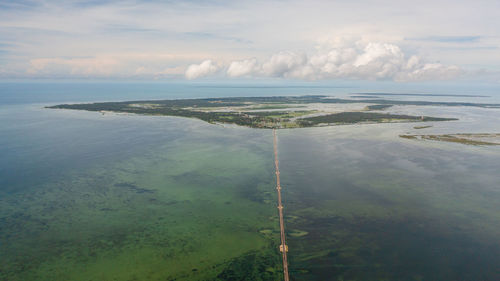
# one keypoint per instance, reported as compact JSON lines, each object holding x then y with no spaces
{"x":375,"y":207}
{"x":85,"y":196}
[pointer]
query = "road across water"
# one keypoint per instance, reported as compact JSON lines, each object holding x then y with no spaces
{"x":283,"y":246}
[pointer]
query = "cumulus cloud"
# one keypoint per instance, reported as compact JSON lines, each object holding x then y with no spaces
{"x":345,"y":59}
{"x":337,"y":59}
{"x":242,"y":67}
{"x":287,"y":64}
{"x":203,"y":69}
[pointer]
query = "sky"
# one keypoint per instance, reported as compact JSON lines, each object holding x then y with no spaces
{"x":401,"y":41}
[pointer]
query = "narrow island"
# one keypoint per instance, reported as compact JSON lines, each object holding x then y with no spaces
{"x":422,"y":127}
{"x":469,"y":139}
{"x":269,"y":112}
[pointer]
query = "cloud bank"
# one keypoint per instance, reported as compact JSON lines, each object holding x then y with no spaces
{"x":160,"y":39}
{"x":351,"y":60}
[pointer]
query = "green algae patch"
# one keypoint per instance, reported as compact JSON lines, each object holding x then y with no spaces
{"x":187,"y":210}
{"x":253,"y":266}
{"x":297,"y":233}
{"x":266,"y":231}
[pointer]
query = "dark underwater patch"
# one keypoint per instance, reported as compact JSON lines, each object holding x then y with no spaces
{"x":133,"y":187}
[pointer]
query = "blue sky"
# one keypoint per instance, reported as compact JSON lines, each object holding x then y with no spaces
{"x":402,"y":41}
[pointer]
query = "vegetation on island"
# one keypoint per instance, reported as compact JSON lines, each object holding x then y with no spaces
{"x":378,"y":106}
{"x":364,"y":97}
{"x":422,"y":127}
{"x":266,"y":112}
{"x":358,"y":117}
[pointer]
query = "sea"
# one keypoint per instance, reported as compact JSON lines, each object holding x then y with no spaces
{"x":92,"y":196}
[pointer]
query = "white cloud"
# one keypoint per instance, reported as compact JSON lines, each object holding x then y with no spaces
{"x":203,"y":69}
{"x":337,"y":59}
{"x":194,"y":30}
{"x":285,"y":64}
{"x":346,"y":59}
{"x":242,"y":67}
{"x":430,"y":71}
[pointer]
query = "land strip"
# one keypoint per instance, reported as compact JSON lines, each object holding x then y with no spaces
{"x":470,"y":139}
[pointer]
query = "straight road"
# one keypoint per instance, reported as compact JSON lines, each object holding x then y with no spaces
{"x":283,"y":247}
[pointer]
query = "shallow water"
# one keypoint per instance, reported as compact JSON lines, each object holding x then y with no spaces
{"x":92,"y":197}
{"x":85,"y":196}
{"x":376,"y":207}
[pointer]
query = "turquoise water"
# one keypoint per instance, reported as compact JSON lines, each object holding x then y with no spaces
{"x":85,"y":196}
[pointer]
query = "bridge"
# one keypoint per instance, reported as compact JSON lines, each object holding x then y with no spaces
{"x":283,"y":246}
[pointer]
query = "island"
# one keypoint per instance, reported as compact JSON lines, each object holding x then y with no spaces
{"x":273,"y":112}
{"x":470,"y":139}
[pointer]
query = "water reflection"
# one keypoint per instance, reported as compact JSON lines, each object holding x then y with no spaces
{"x":379,"y":208}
